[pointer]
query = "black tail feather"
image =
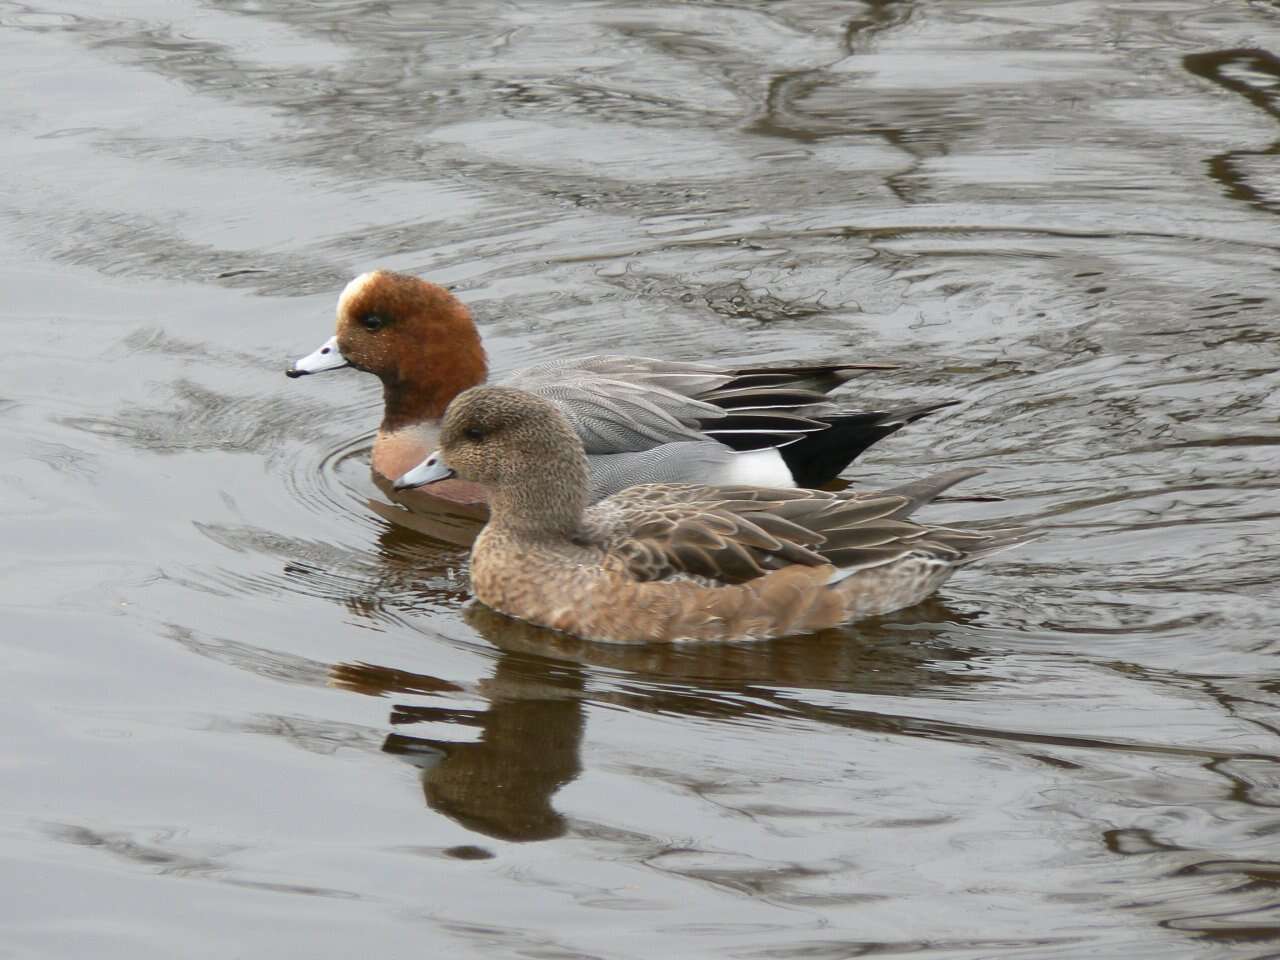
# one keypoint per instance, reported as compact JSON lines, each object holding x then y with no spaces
{"x":818,"y":458}
{"x":822,"y":377}
{"x":769,"y":406}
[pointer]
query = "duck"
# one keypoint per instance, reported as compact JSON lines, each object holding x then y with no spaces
{"x":676,"y":562}
{"x":640,"y":419}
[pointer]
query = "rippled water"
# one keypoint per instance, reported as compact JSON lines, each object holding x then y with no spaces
{"x":249,"y":714}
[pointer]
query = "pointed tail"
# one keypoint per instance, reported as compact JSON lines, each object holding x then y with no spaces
{"x":818,"y":458}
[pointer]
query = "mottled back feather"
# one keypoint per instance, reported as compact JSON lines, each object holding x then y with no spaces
{"x":618,"y":404}
{"x":736,"y":534}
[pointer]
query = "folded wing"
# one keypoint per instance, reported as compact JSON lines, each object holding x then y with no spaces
{"x":620,"y":404}
{"x":735,"y":534}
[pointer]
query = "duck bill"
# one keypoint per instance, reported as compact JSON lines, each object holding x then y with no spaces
{"x":327,"y":357}
{"x":431,"y":470}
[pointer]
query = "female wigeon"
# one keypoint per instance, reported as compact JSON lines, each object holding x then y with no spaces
{"x":669,"y":562}
{"x":641,"y":420}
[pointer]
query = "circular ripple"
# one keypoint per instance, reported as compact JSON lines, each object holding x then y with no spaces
{"x":353,"y":552}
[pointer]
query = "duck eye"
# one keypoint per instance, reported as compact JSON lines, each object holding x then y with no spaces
{"x":372,"y":321}
{"x":473,"y":433}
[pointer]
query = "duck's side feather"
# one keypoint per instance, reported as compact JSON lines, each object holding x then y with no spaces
{"x":731,"y":535}
{"x":620,"y":404}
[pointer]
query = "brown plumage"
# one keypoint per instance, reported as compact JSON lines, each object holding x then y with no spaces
{"x":670,"y":562}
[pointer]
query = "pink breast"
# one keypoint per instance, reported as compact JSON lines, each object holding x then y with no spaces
{"x":396,"y":453}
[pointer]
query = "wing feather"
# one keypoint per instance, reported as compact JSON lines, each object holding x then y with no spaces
{"x":619,"y":404}
{"x":734,"y":534}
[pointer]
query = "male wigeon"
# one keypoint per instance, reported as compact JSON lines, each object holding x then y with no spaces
{"x":641,"y":420}
{"x":670,"y":562}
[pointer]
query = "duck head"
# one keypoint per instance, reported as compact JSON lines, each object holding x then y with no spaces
{"x":414,"y":336}
{"x":520,"y":448}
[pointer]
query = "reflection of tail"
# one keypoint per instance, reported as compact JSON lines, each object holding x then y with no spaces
{"x":818,"y":458}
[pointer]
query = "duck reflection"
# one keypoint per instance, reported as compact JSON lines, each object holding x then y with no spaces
{"x":503,"y":783}
{"x":500,"y":785}
{"x":456,"y":529}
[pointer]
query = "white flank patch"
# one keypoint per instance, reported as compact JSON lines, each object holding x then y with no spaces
{"x":759,"y":468}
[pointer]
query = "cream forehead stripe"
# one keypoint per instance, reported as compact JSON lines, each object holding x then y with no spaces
{"x":353,"y":289}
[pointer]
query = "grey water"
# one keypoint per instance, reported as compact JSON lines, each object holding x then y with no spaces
{"x":247,"y":713}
